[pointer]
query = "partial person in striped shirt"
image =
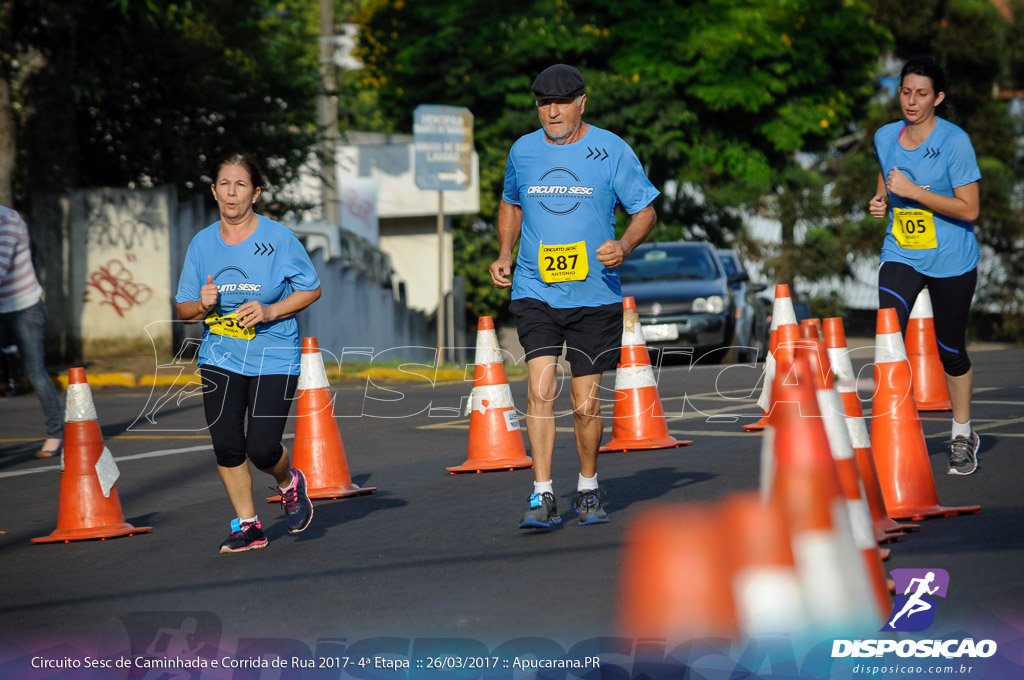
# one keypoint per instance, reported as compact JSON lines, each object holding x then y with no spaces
{"x":23,"y":310}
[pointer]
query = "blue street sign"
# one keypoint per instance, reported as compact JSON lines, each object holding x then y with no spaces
{"x":443,"y":140}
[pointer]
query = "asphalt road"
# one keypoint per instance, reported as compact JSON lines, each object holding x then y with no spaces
{"x":430,"y":561}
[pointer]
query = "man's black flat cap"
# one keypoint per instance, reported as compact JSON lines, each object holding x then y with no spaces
{"x":560,"y":81}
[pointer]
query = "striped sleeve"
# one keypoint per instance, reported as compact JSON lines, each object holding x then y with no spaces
{"x":19,"y":287}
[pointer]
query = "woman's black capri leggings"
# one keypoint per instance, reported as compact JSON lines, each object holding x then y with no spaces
{"x":229,"y":397}
{"x":898,"y":287}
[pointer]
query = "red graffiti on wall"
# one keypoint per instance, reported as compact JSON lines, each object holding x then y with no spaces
{"x":360,"y":209}
{"x":116,"y":286}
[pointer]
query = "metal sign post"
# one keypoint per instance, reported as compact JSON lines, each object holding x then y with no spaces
{"x":443,"y":142}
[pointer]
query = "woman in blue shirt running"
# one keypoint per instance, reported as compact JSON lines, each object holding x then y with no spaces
{"x":246,"y":277}
{"x":928,"y":192}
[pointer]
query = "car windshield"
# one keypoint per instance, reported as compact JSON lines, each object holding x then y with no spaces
{"x":668,"y":264}
{"x":729,"y":263}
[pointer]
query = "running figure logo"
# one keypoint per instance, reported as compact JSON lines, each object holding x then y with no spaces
{"x":914,"y":610}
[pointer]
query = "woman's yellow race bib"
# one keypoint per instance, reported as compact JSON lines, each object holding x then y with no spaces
{"x":227,"y":326}
{"x":563,"y":262}
{"x":914,"y":228}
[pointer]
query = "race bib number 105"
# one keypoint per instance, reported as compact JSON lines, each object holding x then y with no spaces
{"x":562,"y":263}
{"x":914,"y":228}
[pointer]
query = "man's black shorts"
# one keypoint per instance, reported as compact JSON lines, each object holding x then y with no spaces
{"x":592,"y":335}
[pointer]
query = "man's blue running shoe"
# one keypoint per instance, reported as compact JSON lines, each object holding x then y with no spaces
{"x":588,"y":503}
{"x":543,"y":513}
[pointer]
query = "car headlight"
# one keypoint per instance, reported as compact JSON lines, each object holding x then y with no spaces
{"x":713,"y":304}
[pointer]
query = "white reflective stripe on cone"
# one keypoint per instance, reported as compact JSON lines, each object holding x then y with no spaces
{"x":860,"y":522}
{"x":783,"y":312}
{"x":922,"y":306}
{"x":858,"y":429}
{"x":79,"y":407}
{"x":768,"y":600}
{"x":831,"y":406}
{"x":889,"y":348}
{"x":839,"y":358}
{"x":488,"y":351}
{"x":312,"y":374}
{"x":496,"y":396}
{"x":634,"y":377}
{"x":767,"y":461}
{"x":765,"y":400}
{"x":632,"y":334}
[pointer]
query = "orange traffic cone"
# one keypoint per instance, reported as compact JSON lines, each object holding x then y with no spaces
{"x":318,"y":450}
{"x":837,"y":589}
{"x":897,"y":438}
{"x":89,"y":506}
{"x":785,"y":351}
{"x":930,"y":390}
{"x":834,"y":419}
{"x":782,"y":314}
{"x":765,"y":586}
{"x":675,"y":581}
{"x":811,"y":341}
{"x":885,"y":528}
{"x":495,"y":437}
{"x":811,"y":325}
{"x":638,"y":421}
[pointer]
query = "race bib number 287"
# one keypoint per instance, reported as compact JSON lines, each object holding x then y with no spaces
{"x":560,"y":263}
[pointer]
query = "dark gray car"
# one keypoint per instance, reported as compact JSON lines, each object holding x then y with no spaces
{"x":683,"y":297}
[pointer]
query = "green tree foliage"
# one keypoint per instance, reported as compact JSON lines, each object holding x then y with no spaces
{"x":720,"y":94}
{"x":125,"y":93}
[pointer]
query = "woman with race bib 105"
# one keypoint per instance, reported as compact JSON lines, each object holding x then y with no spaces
{"x":928,"y":192}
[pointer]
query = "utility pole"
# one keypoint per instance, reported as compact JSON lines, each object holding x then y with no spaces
{"x":327,"y":105}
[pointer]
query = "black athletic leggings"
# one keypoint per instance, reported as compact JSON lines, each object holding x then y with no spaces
{"x":266,"y":399}
{"x":898,"y":287}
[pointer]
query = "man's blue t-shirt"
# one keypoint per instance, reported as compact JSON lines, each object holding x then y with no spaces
{"x":568,"y":193}
{"x":268,"y":266}
{"x":942,"y":163}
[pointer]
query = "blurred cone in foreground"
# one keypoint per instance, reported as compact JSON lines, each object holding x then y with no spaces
{"x":638,"y":421}
{"x":318,"y":450}
{"x":675,"y":580}
{"x":495,"y":437}
{"x":89,"y":506}
{"x":836,"y":586}
{"x":782,"y":314}
{"x":766,"y":590}
{"x":930,"y":390}
{"x":834,"y":419}
{"x":897,"y":438}
{"x":885,"y":528}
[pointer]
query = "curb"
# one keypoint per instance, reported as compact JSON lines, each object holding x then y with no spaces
{"x":124,"y":379}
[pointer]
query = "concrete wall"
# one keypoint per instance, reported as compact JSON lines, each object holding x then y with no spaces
{"x":358,"y":317}
{"x":105,"y":258}
{"x":109,"y":261}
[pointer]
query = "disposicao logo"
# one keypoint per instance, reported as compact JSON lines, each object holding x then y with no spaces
{"x":913,"y":610}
